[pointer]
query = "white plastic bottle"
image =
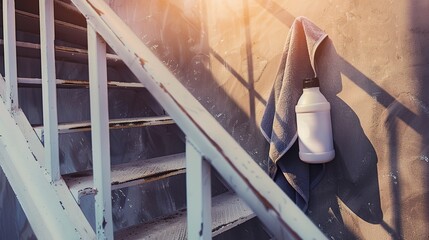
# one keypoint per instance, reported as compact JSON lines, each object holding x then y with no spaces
{"x":313,"y":120}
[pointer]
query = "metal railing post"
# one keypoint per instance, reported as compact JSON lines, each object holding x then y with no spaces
{"x":49,"y":92}
{"x":198,"y":194}
{"x":9,"y":35}
{"x":100,"y":134}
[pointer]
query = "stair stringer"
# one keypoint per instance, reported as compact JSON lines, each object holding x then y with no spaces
{"x":49,"y":206}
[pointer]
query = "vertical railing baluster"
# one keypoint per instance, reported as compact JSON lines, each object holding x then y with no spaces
{"x":9,"y":38}
{"x":100,"y":134}
{"x":49,"y":93}
{"x":198,"y":194}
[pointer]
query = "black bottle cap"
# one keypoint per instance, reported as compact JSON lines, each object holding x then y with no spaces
{"x":311,"y":82}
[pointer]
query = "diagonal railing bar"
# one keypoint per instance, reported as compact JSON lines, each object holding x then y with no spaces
{"x":31,"y":168}
{"x":280,"y":215}
{"x":53,"y":214}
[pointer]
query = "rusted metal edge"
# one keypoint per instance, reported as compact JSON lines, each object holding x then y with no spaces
{"x":177,"y":220}
{"x":89,"y":190}
{"x":77,"y":83}
{"x":148,"y":179}
{"x":98,"y":11}
{"x":129,"y":174}
{"x":226,"y":226}
{"x":113,"y":124}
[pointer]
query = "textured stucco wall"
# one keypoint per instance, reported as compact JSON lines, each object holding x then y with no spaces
{"x":373,"y":69}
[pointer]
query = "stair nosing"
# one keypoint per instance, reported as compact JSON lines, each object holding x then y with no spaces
{"x":78,"y":83}
{"x":70,"y":52}
{"x":128,"y":174}
{"x":244,"y":214}
{"x":113,"y":124}
{"x":60,"y":26}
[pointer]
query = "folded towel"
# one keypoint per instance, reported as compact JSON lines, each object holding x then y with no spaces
{"x":279,"y":120}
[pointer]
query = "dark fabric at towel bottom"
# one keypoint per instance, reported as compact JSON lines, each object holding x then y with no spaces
{"x":289,"y":165}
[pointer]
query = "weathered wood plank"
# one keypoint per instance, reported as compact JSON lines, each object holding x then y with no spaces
{"x":129,"y":174}
{"x":228,"y":211}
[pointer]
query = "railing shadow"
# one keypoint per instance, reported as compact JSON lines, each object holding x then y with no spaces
{"x":353,"y":177}
{"x":365,"y":179}
{"x":356,"y":164}
{"x":186,"y":51}
{"x":354,"y":170}
{"x":419,"y":31}
{"x":193,"y":68}
{"x":410,"y":109}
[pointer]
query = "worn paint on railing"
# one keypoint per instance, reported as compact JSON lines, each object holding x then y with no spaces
{"x":266,"y":203}
{"x":127,"y":45}
{"x":99,"y":12}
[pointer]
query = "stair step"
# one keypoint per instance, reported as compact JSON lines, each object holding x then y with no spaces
{"x":77,"y":83}
{"x":64,"y":10}
{"x":129,"y":174}
{"x":228,"y":211}
{"x":67,"y":12}
{"x":29,"y":22}
{"x":32,"y":50}
{"x":113,"y":124}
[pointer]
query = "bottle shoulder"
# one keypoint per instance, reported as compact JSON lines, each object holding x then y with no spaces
{"x":311,"y":96}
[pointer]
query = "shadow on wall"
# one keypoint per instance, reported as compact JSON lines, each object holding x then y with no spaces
{"x":401,"y":120}
{"x":353,"y":175}
{"x":183,"y":45}
{"x":352,"y":180}
{"x":417,"y":204}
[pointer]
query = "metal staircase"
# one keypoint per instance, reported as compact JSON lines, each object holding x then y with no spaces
{"x":29,"y":152}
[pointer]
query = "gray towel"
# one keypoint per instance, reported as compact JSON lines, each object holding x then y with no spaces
{"x":279,"y":121}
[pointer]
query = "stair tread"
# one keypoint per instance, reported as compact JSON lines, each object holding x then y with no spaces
{"x":228,"y":211}
{"x":65,"y":11}
{"x":29,"y":22}
{"x":113,"y":124}
{"x":32,"y":50}
{"x":129,"y":174}
{"x":78,"y":83}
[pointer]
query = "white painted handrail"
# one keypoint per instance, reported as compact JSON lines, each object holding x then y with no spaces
{"x":280,"y":215}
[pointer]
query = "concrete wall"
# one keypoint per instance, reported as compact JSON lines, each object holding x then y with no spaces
{"x":373,"y":69}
